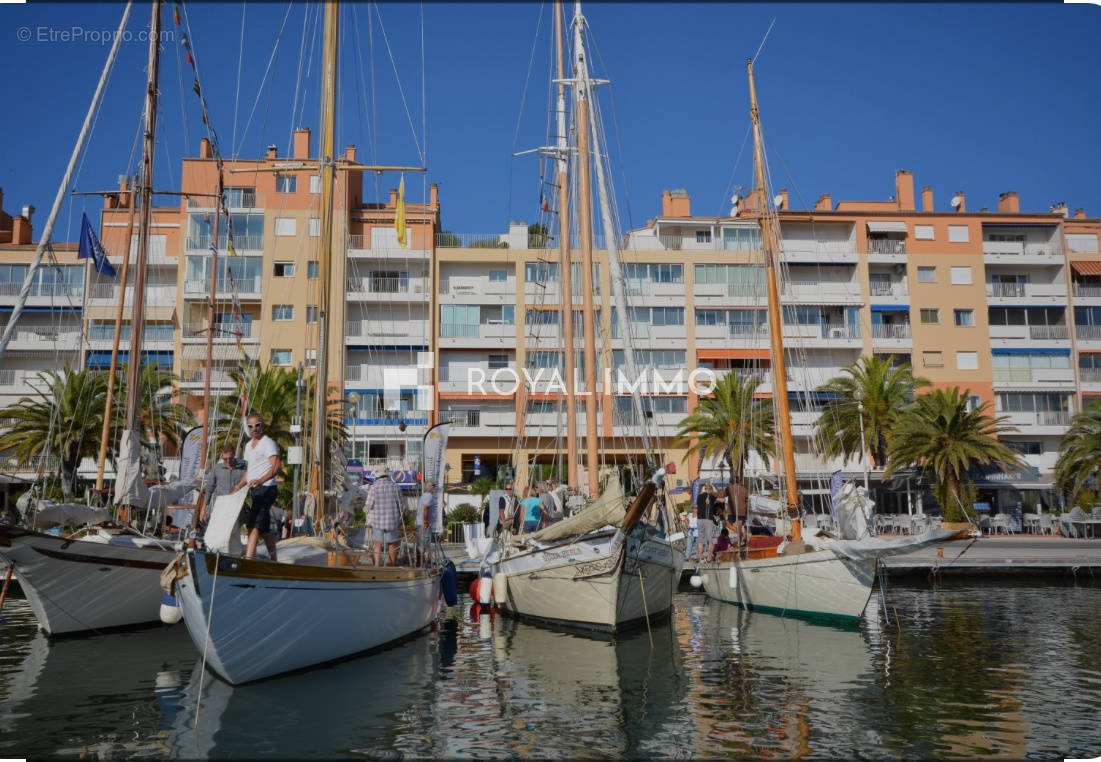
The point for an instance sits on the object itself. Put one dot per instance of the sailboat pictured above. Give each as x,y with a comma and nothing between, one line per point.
253,618
615,563
809,576
104,579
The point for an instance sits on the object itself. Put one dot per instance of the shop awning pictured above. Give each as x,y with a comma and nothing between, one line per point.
1087,267
732,354
886,226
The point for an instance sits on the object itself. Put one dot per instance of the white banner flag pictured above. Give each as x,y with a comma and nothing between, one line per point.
435,458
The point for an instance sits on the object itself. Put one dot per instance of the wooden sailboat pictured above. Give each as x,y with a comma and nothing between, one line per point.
103,579
800,576
615,563
254,618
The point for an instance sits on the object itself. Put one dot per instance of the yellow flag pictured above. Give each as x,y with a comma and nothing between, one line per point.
399,215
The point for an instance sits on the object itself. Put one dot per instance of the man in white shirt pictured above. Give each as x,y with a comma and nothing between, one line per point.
262,457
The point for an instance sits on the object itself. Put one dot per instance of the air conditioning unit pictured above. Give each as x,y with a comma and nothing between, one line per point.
837,333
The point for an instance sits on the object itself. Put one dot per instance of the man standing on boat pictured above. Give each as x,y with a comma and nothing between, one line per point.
383,506
705,524
223,478
263,463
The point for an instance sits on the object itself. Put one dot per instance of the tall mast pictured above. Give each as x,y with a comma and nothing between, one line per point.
585,230
145,220
115,343
328,106
779,366
564,256
210,325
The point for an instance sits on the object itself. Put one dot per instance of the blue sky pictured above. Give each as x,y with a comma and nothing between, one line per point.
980,98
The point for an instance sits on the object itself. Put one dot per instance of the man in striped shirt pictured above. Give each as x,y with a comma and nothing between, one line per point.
383,508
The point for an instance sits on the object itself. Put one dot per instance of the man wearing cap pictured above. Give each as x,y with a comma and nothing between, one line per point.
383,506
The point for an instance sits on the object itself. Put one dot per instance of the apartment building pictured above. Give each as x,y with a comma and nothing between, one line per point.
1003,303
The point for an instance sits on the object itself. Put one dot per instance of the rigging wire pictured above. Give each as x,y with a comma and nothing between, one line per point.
240,58
401,90
236,148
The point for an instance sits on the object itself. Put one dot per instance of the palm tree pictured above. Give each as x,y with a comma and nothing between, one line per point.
939,434
272,394
1080,452
730,424
63,417
873,390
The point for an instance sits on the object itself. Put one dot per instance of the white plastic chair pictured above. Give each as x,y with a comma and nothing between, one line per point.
1047,523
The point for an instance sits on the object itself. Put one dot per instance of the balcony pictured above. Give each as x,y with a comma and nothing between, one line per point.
493,241
1090,379
891,331
475,289
1085,332
821,292
1052,422
724,294
384,289
1006,335
382,243
821,252
1048,332
1021,253
826,335
222,331
1050,293
1085,291
886,251
1027,376
240,243
414,331
490,335
156,294
51,291
195,379
45,339
242,288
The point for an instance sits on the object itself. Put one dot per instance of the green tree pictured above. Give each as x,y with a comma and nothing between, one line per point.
883,389
730,423
272,394
939,434
64,416
481,487
1080,453
447,239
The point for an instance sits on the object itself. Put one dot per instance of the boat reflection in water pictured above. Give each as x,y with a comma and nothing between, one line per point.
535,691
776,687
364,705
78,696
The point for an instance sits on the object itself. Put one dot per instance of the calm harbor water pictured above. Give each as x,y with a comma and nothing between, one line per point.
992,668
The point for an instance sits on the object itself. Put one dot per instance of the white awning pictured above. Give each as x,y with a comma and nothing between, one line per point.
881,226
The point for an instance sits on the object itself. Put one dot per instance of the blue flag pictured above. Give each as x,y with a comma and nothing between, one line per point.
91,247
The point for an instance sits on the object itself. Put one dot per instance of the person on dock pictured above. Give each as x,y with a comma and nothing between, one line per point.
533,512
263,463
551,512
426,521
383,506
223,478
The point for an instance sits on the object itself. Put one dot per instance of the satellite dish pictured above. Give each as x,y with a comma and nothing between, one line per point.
777,200
734,199
733,211
956,201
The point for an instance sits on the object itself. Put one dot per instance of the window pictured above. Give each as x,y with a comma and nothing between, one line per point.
930,316
1026,447
1081,243
703,236
923,232
311,358
927,275
286,183
541,317
967,360
280,357
311,313
315,227
284,270
389,282
974,402
459,321
932,359
667,316
241,198
496,314
710,317
742,239
965,318
540,271
497,362
498,276
315,183
961,276
311,269
958,234
282,312
543,359
286,226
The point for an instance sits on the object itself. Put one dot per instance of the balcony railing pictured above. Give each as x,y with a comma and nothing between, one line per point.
74,290
198,376
747,330
223,286
240,242
1087,291
1012,374
1048,332
1088,332
1005,289
379,285
34,463
470,418
886,246
221,330
1090,375
880,288
1053,418
8,376
892,331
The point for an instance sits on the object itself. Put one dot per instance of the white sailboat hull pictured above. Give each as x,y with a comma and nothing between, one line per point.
819,583
253,618
82,585
594,581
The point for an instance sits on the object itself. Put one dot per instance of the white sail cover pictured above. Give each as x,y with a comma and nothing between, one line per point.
223,533
130,487
878,547
854,511
45,514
